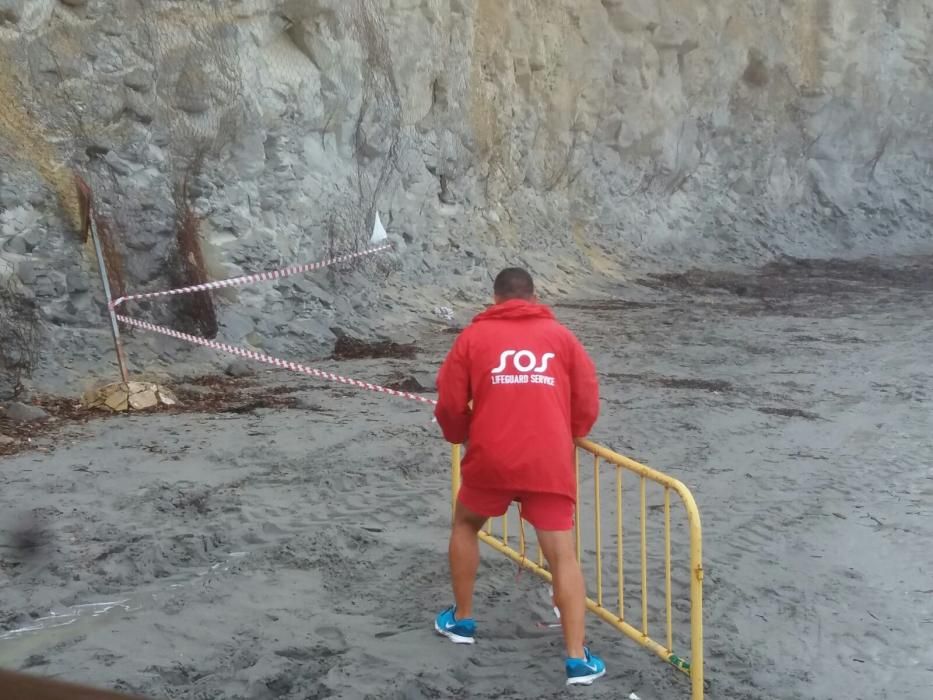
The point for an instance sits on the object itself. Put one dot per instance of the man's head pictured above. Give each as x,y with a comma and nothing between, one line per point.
513,283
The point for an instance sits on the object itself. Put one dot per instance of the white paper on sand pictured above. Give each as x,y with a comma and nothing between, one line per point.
379,231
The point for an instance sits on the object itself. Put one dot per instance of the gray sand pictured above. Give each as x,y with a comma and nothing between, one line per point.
301,553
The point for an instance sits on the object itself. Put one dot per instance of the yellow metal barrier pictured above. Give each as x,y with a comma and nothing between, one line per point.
616,618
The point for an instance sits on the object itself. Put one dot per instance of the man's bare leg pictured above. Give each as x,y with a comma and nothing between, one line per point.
464,557
560,551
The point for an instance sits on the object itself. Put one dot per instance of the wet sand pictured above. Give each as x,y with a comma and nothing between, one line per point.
299,552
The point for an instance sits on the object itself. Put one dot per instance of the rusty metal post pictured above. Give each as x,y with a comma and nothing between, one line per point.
104,277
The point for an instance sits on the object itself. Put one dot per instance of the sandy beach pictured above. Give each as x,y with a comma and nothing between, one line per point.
300,551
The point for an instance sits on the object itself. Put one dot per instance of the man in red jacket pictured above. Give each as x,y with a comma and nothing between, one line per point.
533,390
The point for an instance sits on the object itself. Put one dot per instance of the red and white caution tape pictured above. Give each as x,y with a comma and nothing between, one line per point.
251,279
379,235
274,361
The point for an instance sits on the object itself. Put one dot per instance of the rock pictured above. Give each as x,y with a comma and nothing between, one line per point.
117,400
24,413
32,237
11,11
192,91
77,281
138,79
240,369
90,396
140,107
167,397
141,400
137,396
75,3
425,380
119,165
50,285
17,245
410,384
5,440
236,325
309,287
7,388
75,310
26,271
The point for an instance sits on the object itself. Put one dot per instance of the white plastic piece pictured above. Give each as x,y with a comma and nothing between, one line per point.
444,312
632,696
556,609
379,231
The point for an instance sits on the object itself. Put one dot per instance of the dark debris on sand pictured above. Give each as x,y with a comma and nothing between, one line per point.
202,394
347,348
788,277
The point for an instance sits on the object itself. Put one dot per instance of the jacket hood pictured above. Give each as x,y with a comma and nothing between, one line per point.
514,310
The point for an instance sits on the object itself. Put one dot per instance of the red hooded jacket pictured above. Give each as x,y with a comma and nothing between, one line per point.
534,390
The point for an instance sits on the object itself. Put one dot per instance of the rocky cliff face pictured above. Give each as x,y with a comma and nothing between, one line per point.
571,136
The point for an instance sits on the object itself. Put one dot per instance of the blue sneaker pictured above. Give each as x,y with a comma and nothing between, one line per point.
586,670
457,631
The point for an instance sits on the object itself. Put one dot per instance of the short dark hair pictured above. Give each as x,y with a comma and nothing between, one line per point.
514,283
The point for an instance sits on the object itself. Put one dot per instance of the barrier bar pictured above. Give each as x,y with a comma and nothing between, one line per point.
521,536
667,566
619,545
576,462
644,557
599,534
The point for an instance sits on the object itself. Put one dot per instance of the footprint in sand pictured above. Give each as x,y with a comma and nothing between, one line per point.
296,654
333,636
271,528
253,538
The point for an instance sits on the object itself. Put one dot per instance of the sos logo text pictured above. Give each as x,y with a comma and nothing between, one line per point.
525,368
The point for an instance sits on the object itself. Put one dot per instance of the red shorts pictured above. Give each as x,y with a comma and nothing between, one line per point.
545,511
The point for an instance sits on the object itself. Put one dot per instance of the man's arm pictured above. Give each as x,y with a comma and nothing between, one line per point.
453,389
584,392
